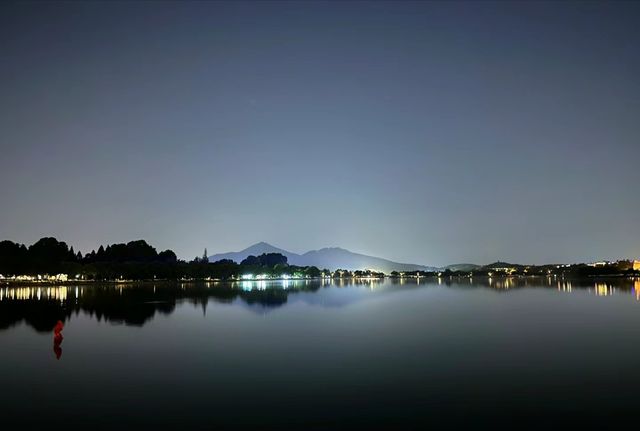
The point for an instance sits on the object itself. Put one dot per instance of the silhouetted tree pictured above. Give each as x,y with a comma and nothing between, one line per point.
250,261
167,256
13,258
272,259
312,271
46,255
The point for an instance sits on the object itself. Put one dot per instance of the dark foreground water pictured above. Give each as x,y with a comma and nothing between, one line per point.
321,355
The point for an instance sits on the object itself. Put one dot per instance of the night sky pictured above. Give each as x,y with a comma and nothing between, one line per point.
431,133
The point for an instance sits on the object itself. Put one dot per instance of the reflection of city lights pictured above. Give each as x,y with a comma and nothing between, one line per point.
564,286
507,283
72,293
33,293
602,289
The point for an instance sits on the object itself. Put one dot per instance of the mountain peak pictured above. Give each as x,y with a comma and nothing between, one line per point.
263,247
329,257
255,250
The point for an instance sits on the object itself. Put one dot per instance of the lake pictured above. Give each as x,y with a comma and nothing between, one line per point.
392,354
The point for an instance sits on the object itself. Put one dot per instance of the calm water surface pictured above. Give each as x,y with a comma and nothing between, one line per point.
321,355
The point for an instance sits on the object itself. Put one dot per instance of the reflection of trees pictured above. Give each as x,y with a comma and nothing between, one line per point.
131,305
134,305
268,297
40,315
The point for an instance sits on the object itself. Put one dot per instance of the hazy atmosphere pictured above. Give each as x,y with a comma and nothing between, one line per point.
431,133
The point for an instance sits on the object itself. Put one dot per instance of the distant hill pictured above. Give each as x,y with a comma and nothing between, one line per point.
335,257
254,250
330,258
462,267
499,264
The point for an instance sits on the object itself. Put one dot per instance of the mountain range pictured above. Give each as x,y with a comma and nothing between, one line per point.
331,258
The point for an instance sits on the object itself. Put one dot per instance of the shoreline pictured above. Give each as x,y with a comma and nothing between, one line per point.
9,282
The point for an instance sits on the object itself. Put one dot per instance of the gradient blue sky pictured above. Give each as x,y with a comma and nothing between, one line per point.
431,133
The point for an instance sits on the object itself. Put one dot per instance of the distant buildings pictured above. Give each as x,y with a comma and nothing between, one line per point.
623,265
36,278
506,269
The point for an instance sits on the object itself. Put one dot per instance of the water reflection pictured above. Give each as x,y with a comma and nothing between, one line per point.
57,339
134,305
604,289
565,286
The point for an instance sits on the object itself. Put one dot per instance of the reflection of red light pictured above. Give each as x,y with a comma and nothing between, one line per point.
58,351
57,339
58,328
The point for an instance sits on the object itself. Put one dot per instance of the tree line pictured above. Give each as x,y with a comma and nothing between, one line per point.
135,260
